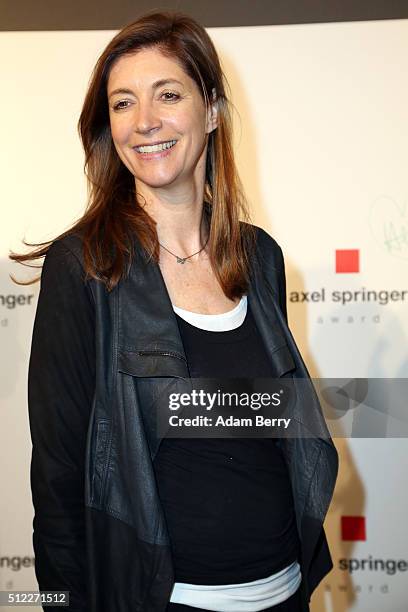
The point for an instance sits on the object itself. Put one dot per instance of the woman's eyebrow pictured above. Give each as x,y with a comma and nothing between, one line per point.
155,85
121,90
162,82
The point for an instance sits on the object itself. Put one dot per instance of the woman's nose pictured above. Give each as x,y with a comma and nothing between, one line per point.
146,119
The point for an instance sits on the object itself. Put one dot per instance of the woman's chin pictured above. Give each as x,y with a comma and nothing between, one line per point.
164,182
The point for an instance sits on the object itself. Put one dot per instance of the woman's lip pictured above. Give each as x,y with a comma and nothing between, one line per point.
155,154
152,144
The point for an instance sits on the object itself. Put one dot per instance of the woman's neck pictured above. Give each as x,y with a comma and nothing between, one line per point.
181,226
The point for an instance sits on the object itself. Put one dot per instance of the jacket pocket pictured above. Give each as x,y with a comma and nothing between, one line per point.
149,363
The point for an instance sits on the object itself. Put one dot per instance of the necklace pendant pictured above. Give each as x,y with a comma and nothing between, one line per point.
181,260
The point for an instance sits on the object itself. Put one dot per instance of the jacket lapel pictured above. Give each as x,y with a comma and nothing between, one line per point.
261,300
149,340
150,348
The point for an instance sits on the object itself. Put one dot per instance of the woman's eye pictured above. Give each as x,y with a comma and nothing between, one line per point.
121,104
170,96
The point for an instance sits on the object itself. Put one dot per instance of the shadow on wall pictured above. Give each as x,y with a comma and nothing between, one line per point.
245,146
349,495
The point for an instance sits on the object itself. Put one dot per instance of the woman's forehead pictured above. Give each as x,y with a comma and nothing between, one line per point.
147,66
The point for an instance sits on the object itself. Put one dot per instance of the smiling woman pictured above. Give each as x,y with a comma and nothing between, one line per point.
163,279
158,81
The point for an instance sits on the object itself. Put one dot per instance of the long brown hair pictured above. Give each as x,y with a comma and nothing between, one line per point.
114,216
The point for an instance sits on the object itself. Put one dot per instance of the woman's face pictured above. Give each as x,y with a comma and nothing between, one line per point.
158,120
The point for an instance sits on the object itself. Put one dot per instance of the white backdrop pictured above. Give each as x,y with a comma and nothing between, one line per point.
321,141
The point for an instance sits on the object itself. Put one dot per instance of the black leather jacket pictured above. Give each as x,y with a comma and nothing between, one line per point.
99,527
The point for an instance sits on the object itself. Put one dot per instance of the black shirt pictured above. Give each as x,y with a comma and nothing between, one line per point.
228,502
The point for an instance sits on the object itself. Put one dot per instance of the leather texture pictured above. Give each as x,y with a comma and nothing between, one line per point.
99,527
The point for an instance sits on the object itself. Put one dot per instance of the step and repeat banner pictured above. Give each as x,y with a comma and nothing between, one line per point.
321,133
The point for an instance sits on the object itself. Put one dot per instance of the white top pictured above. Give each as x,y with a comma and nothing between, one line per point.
245,596
216,322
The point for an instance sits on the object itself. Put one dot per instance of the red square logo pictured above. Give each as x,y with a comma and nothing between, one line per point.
353,528
347,261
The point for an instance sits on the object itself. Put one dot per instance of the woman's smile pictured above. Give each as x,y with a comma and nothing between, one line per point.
156,150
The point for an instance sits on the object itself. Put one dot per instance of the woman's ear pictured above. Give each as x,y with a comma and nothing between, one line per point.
212,112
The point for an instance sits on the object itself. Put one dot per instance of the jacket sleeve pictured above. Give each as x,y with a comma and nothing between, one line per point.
61,382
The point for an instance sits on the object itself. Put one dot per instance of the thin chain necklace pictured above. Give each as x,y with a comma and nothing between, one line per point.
182,260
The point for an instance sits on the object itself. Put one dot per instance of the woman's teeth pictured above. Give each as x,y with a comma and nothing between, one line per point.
155,148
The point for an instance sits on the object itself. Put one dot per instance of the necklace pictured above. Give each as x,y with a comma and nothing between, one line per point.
182,260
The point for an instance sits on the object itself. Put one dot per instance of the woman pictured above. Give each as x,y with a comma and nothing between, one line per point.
160,279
